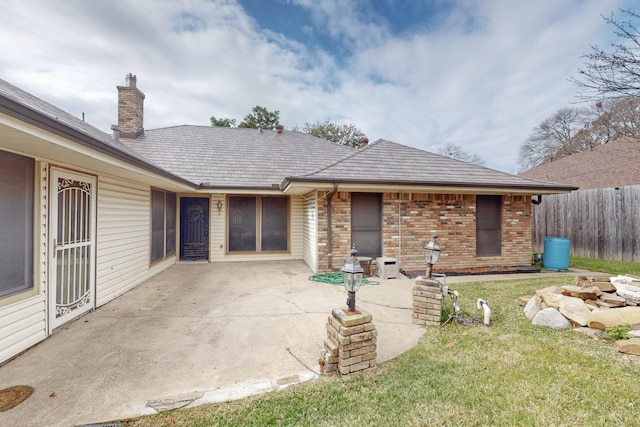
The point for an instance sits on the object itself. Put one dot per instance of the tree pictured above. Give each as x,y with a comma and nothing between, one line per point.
553,138
454,151
260,116
613,74
347,135
227,123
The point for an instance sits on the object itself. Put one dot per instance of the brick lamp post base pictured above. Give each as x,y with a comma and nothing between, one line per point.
350,346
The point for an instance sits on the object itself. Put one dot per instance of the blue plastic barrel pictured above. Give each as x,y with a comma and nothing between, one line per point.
556,253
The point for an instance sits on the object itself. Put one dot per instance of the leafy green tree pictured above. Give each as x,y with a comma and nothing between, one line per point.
227,123
260,116
347,135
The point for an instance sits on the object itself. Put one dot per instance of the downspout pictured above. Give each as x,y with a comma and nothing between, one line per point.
538,200
400,229
329,231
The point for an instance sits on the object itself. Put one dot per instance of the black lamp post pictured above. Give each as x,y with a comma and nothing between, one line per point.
431,254
352,277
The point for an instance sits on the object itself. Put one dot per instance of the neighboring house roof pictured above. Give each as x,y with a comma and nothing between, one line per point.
614,164
221,157
386,162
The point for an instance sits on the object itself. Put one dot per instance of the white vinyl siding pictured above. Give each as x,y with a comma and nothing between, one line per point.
23,325
217,237
310,231
123,238
23,319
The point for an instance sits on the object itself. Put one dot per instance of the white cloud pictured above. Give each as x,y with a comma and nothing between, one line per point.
482,78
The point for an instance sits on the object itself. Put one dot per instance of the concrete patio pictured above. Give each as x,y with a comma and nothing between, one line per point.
193,334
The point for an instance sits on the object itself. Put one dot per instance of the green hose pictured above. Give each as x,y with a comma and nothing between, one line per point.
336,279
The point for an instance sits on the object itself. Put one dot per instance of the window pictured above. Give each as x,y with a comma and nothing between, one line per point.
488,225
16,223
258,224
163,225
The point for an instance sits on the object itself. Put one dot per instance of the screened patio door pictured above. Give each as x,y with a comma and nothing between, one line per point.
72,246
366,223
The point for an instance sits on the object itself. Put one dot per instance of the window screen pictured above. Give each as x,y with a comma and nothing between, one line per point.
163,225
275,226
258,224
16,223
488,225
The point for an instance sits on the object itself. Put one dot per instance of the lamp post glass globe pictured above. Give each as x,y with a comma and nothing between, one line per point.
352,278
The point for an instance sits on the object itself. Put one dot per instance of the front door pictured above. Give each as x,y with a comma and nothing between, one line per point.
72,254
366,223
194,229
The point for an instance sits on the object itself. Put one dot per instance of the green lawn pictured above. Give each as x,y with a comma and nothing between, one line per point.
613,267
510,373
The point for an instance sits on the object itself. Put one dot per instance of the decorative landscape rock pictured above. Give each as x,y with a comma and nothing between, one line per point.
549,290
533,307
604,284
552,318
613,300
603,318
575,310
580,292
630,346
592,305
628,288
551,300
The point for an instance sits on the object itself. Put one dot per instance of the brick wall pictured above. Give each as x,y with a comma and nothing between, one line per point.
409,220
130,111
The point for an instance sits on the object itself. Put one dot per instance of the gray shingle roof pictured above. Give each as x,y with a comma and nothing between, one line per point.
43,108
614,164
235,157
25,106
218,157
388,162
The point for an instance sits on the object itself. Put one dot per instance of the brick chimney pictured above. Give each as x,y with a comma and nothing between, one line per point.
130,109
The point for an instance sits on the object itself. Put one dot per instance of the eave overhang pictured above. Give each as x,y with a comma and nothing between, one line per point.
65,139
297,186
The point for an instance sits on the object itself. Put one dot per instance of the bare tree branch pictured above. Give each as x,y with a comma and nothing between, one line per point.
613,74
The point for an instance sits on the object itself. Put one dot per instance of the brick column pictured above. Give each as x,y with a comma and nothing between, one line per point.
427,302
350,346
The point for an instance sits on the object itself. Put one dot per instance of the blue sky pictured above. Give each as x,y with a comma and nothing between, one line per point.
479,74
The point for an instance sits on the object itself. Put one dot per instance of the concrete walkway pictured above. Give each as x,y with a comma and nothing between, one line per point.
199,333
193,334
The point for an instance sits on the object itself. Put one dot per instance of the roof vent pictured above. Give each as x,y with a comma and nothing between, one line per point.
260,129
279,128
363,142
116,133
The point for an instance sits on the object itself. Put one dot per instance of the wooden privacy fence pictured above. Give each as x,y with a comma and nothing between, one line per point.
600,223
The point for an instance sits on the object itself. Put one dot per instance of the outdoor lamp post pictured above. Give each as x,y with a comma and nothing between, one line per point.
431,254
352,277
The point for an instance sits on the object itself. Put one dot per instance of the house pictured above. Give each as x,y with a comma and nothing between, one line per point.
86,215
614,164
